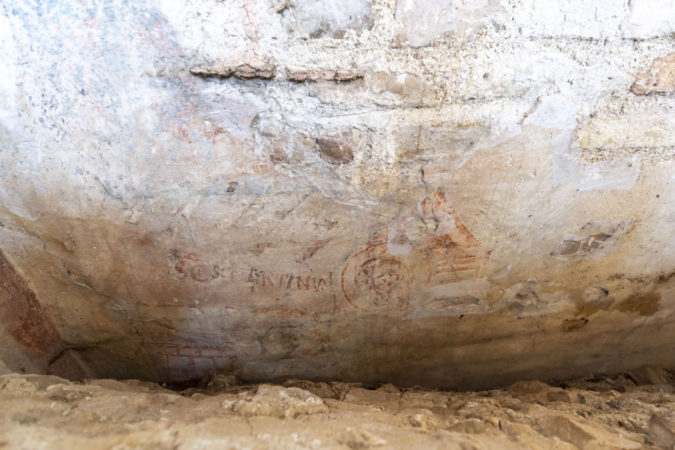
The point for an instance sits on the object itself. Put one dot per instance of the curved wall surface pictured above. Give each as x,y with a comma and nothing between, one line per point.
442,193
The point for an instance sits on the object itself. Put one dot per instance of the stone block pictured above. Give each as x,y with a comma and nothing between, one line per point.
659,78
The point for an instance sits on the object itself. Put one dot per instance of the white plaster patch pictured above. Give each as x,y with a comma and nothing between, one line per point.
595,239
650,18
599,19
626,131
524,299
423,23
615,174
212,29
558,112
462,297
555,111
315,18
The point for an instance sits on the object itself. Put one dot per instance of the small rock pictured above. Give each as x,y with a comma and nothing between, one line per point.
277,401
528,387
651,375
368,396
65,395
357,438
661,430
324,390
473,426
347,75
389,388
220,382
558,395
17,384
427,400
582,434
423,419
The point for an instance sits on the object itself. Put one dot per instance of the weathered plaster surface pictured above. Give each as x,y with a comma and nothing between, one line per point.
444,193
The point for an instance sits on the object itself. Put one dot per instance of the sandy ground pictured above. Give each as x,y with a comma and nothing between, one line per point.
633,410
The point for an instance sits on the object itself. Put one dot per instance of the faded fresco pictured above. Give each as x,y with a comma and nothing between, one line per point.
376,192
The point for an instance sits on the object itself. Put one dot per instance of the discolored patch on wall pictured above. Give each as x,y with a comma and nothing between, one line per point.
449,303
198,130
335,150
594,299
593,240
404,89
444,143
574,324
644,304
280,341
659,78
72,365
312,249
24,319
289,341
181,360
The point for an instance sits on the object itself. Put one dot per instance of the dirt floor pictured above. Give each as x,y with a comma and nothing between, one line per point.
633,410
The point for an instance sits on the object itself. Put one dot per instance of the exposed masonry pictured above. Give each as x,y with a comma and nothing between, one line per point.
658,78
247,69
266,70
299,73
